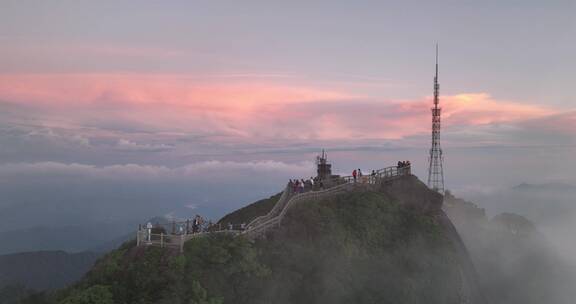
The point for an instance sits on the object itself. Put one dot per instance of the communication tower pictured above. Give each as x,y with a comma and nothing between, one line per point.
435,170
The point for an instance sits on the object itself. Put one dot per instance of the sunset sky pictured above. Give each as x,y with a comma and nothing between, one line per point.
182,96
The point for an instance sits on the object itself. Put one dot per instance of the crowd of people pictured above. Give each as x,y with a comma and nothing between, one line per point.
198,224
302,185
403,164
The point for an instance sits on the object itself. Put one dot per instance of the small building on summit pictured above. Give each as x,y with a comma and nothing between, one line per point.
324,169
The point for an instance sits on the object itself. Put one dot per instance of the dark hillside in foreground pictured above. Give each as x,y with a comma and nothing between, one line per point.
362,246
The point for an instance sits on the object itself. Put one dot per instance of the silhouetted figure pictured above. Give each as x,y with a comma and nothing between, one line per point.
197,224
149,230
296,186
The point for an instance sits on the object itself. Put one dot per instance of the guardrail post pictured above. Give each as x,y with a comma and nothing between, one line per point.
138,238
161,239
181,243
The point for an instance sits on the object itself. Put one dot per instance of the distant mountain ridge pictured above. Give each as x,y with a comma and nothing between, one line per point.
64,236
44,270
546,186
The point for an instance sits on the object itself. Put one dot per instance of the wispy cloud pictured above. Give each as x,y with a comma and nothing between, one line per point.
193,115
128,145
219,170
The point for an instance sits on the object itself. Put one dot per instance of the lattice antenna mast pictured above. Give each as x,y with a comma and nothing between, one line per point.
435,170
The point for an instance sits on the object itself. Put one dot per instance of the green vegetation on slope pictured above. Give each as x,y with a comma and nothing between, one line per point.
360,247
211,269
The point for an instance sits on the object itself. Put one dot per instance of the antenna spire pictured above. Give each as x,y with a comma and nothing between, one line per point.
436,61
435,170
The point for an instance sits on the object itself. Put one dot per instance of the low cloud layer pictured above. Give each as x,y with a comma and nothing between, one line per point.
54,194
218,170
552,206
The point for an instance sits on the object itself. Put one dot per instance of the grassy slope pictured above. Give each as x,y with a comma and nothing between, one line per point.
361,247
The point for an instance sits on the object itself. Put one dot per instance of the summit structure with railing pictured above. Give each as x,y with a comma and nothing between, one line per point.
175,234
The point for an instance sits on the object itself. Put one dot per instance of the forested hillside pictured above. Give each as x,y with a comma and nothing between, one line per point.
359,247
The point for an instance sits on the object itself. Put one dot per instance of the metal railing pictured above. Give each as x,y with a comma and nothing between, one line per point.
165,240
278,207
145,237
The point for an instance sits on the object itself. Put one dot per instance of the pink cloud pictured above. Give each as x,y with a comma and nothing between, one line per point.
395,119
252,110
478,109
178,90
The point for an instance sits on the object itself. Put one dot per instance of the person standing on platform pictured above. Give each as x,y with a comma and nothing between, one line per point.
149,229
